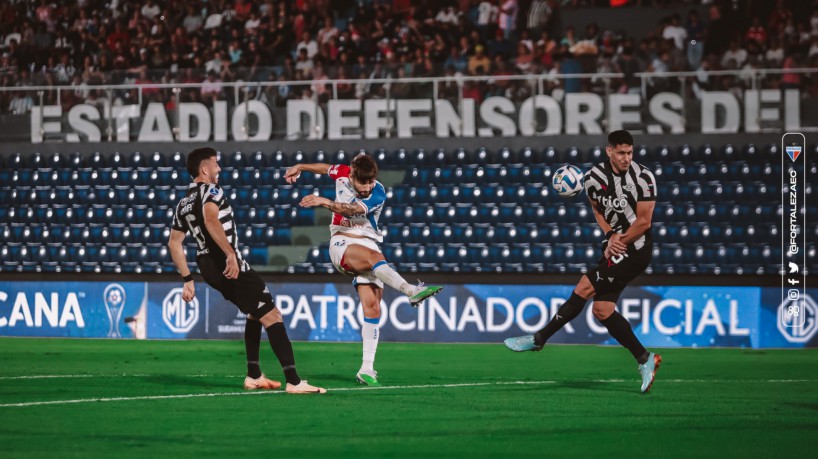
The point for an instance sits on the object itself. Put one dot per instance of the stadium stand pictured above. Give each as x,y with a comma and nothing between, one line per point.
479,211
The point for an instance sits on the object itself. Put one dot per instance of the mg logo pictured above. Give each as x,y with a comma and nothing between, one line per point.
178,315
794,328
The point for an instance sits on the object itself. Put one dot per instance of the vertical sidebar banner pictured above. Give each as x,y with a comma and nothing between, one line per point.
794,231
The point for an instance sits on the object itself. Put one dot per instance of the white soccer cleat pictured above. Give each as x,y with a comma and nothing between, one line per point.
304,388
262,382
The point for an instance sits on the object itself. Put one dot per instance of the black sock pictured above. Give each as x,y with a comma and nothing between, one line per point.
621,330
252,340
565,314
283,349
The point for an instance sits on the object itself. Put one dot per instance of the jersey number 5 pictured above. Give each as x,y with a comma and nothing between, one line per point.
195,230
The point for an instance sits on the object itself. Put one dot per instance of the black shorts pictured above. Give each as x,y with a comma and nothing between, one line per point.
610,276
248,291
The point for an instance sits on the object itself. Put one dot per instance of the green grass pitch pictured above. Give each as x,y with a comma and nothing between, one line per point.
439,400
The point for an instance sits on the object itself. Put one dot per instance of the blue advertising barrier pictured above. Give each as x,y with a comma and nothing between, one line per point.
752,317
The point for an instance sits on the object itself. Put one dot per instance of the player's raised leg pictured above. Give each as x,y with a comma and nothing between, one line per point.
371,296
566,313
359,259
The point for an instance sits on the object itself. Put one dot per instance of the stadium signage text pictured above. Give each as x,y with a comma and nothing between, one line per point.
576,113
793,245
53,314
497,314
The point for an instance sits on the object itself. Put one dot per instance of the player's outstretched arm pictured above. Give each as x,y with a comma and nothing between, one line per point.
347,209
294,172
177,253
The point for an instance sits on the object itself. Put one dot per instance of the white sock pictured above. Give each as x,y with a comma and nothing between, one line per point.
390,277
369,333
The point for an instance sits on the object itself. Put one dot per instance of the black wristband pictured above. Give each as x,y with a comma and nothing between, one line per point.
188,278
609,234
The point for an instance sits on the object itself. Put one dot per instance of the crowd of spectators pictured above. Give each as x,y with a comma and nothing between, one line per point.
80,44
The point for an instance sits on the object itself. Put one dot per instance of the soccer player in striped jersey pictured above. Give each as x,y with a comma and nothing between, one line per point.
205,213
623,196
353,245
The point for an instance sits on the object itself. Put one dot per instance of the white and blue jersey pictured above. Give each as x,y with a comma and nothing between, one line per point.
360,225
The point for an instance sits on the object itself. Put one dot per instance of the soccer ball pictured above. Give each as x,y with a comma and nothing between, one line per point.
568,180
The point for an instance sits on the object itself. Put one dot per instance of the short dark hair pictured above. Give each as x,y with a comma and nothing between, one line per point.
195,158
619,138
364,168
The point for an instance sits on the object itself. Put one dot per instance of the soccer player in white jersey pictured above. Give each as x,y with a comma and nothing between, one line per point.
353,245
623,196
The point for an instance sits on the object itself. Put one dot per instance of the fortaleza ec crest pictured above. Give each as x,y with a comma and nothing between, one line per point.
793,152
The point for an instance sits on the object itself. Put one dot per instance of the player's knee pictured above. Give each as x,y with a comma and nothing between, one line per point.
270,318
602,311
584,288
372,309
375,258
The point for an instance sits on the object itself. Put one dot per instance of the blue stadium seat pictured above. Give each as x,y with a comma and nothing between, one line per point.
95,160
35,160
177,160
505,155
56,160
157,159
277,159
15,161
570,155
167,176
343,157
116,160
22,177
382,157
135,160
460,157
481,156
442,194
595,155
548,155
39,254
235,160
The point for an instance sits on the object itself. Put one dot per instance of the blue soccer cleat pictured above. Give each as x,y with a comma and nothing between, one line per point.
648,371
522,343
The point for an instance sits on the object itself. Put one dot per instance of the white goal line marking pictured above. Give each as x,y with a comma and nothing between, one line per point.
348,389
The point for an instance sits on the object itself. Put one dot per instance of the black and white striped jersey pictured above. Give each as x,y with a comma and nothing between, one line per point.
189,218
615,195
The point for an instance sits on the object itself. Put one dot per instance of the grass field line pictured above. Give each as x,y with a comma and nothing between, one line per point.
98,376
409,387
138,375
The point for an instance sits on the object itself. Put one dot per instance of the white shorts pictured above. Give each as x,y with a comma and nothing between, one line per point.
338,245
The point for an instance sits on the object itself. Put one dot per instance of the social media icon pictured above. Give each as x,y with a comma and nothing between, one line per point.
793,268
793,281
793,294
